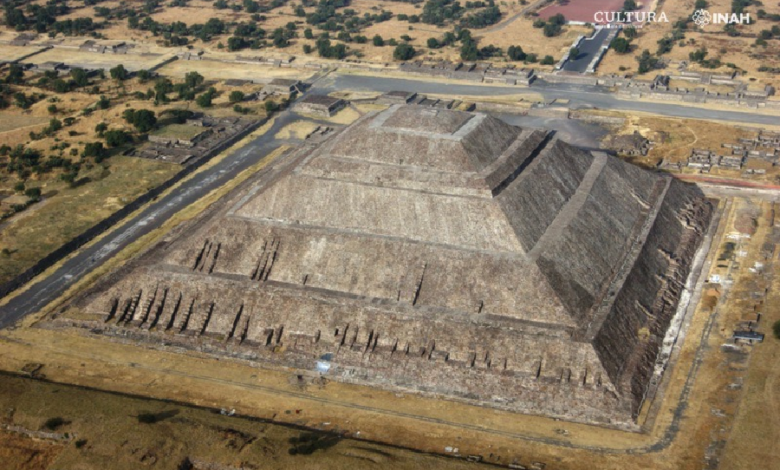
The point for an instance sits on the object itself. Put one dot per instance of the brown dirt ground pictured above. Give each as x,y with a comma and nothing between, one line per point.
737,50
19,452
116,440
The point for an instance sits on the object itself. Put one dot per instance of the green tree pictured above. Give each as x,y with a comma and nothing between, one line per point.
103,102
94,150
79,77
403,52
116,138
433,43
204,100
101,128
551,29
378,41
193,79
698,55
236,96
547,60
144,120
33,193
54,125
144,75
515,53
646,62
621,45
468,51
15,75
119,73
270,106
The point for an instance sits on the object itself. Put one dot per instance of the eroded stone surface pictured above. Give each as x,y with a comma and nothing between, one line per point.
437,251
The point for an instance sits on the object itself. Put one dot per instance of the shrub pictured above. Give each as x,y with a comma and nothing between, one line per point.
53,423
147,418
403,52
776,329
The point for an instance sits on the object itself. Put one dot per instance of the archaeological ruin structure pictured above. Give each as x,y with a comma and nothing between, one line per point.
432,251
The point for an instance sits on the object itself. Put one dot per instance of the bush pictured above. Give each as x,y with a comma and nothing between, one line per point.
80,443
144,120
270,106
776,329
236,96
621,45
147,418
515,53
33,193
551,29
116,138
403,52
548,60
119,73
53,423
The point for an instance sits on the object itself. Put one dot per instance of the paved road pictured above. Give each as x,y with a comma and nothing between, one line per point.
579,96
200,184
50,288
588,47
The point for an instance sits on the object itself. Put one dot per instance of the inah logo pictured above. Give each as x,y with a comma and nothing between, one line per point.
703,17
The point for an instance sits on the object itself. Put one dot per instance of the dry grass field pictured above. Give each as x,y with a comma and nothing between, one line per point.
10,121
740,51
109,434
105,187
215,70
66,212
91,60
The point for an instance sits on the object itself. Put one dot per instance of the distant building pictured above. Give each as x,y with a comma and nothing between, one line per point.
51,66
320,104
397,97
748,336
283,86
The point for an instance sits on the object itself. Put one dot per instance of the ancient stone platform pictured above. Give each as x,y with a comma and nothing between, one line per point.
435,251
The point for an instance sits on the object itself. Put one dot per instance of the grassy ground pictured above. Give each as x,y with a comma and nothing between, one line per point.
29,237
12,121
220,70
739,51
756,431
110,435
179,131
